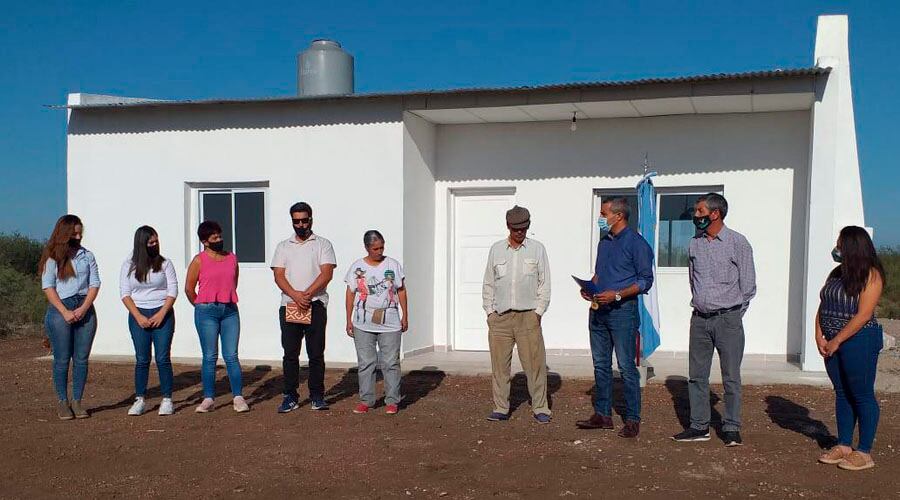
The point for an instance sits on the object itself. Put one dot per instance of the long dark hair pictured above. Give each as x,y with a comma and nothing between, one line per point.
141,262
858,259
57,246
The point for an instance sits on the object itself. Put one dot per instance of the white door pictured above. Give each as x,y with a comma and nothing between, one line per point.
479,220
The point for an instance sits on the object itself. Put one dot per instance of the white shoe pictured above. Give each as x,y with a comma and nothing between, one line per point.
166,407
240,405
137,409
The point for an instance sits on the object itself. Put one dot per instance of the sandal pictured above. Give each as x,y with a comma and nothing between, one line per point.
834,456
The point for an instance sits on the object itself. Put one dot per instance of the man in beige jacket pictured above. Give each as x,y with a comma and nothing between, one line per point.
516,293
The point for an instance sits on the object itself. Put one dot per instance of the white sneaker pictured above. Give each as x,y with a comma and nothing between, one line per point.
166,407
240,405
137,409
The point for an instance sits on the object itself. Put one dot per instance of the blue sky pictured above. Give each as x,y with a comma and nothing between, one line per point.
230,49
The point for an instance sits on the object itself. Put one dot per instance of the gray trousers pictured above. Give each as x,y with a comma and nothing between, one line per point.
725,335
367,356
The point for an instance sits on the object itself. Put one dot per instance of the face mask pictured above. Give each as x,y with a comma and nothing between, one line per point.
836,255
603,224
702,223
217,247
74,242
302,232
153,252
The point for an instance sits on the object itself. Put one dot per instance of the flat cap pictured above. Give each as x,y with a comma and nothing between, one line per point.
518,217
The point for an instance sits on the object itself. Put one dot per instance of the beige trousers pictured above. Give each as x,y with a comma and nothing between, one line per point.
522,330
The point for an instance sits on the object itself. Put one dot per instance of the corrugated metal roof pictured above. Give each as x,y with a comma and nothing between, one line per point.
713,77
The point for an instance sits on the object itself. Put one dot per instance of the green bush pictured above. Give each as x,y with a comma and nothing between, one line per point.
22,303
20,253
889,307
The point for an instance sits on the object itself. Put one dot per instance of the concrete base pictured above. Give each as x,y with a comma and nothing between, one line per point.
754,371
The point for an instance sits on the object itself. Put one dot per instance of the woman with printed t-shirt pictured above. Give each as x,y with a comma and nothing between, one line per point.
148,288
71,281
216,313
375,296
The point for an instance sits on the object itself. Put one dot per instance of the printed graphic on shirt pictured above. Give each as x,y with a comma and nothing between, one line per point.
376,306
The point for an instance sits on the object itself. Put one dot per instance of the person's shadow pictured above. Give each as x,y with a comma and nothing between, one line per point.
794,417
180,381
346,387
678,389
518,390
418,384
223,386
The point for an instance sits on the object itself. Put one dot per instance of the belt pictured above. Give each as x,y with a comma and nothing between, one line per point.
717,312
515,311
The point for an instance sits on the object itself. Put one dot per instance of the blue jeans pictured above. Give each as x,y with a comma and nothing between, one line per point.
160,338
616,327
214,321
70,342
852,372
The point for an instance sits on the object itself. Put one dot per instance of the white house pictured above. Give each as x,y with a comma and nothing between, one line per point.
435,171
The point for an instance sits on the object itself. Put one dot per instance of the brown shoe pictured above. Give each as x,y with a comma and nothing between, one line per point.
631,430
857,461
78,410
64,411
596,421
834,456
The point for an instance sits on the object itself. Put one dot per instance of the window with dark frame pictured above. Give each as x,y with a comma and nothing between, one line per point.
241,213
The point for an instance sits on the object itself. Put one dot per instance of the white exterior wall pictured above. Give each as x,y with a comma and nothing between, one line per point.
760,159
127,168
834,186
419,140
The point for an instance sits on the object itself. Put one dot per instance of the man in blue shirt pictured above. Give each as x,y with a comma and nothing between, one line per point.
624,270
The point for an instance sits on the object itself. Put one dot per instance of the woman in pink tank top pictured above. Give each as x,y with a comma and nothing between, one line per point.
216,313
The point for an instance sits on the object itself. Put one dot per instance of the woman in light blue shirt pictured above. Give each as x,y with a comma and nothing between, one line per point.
70,280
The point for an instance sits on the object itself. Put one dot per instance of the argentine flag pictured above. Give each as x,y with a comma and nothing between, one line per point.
648,303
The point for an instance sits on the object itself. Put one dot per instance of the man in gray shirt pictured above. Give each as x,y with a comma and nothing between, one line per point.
515,294
723,281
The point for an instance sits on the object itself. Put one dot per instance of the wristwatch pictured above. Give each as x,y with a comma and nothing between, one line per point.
618,297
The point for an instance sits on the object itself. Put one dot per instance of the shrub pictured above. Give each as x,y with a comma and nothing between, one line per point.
889,307
20,253
22,303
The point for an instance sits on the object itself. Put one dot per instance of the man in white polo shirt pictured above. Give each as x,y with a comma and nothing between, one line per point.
303,265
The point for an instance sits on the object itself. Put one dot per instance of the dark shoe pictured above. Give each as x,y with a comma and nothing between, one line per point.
78,410
63,411
288,404
596,421
542,418
319,404
631,430
690,435
496,416
732,438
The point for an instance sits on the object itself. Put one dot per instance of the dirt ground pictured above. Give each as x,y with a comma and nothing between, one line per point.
439,446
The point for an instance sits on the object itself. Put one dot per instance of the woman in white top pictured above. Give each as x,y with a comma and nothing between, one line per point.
148,287
376,318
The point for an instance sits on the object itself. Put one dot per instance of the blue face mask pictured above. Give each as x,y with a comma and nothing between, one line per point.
603,224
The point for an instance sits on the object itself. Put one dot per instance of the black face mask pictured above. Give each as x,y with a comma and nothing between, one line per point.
302,232
217,247
74,242
702,223
153,252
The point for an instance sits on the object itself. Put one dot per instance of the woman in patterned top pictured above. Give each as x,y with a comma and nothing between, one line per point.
849,338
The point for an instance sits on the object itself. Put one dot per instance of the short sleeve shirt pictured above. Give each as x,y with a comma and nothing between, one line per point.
301,261
376,306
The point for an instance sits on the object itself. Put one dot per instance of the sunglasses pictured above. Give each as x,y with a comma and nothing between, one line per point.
304,221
